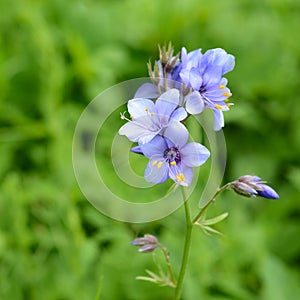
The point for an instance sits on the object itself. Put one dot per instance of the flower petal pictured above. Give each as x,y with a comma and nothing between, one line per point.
195,79
181,174
218,119
167,103
185,76
147,90
177,133
137,133
219,57
212,75
136,149
156,170
156,146
179,114
139,107
194,103
192,59
194,154
267,192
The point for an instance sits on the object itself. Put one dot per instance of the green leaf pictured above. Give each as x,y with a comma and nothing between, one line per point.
215,220
209,229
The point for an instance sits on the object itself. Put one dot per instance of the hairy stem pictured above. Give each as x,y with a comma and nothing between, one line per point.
187,245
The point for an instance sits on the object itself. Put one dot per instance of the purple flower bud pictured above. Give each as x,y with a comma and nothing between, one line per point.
252,186
148,242
136,149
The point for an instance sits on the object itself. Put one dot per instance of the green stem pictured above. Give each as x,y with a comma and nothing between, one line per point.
187,245
203,209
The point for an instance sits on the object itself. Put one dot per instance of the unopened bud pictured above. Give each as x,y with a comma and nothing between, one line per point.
252,186
148,242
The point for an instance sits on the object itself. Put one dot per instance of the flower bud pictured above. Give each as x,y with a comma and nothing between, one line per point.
252,186
148,242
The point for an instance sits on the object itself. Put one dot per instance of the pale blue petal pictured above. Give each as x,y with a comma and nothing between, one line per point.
136,133
167,103
147,90
155,147
136,149
220,57
194,154
193,58
171,96
185,76
229,64
194,103
177,133
179,114
212,75
147,137
224,81
218,119
195,79
267,192
188,174
156,171
215,94
140,107
181,174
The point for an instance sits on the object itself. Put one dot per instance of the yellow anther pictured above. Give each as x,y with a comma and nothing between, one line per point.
159,165
218,106
226,100
173,163
146,109
152,114
228,105
154,163
226,94
131,117
180,177
222,87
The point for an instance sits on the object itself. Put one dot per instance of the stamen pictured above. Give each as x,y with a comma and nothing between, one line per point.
131,117
222,87
123,117
180,177
159,165
152,114
154,163
218,106
226,100
226,94
228,105
146,109
173,163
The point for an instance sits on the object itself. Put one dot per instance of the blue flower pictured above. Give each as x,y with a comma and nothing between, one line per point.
203,73
149,119
171,156
252,186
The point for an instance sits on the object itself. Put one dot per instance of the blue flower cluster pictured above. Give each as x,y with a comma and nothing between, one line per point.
183,85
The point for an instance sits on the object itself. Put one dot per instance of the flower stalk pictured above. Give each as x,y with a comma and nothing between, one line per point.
187,244
212,200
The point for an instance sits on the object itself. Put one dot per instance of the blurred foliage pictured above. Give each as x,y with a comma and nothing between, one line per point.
55,56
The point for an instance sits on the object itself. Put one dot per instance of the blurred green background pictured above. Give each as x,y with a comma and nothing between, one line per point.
55,57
